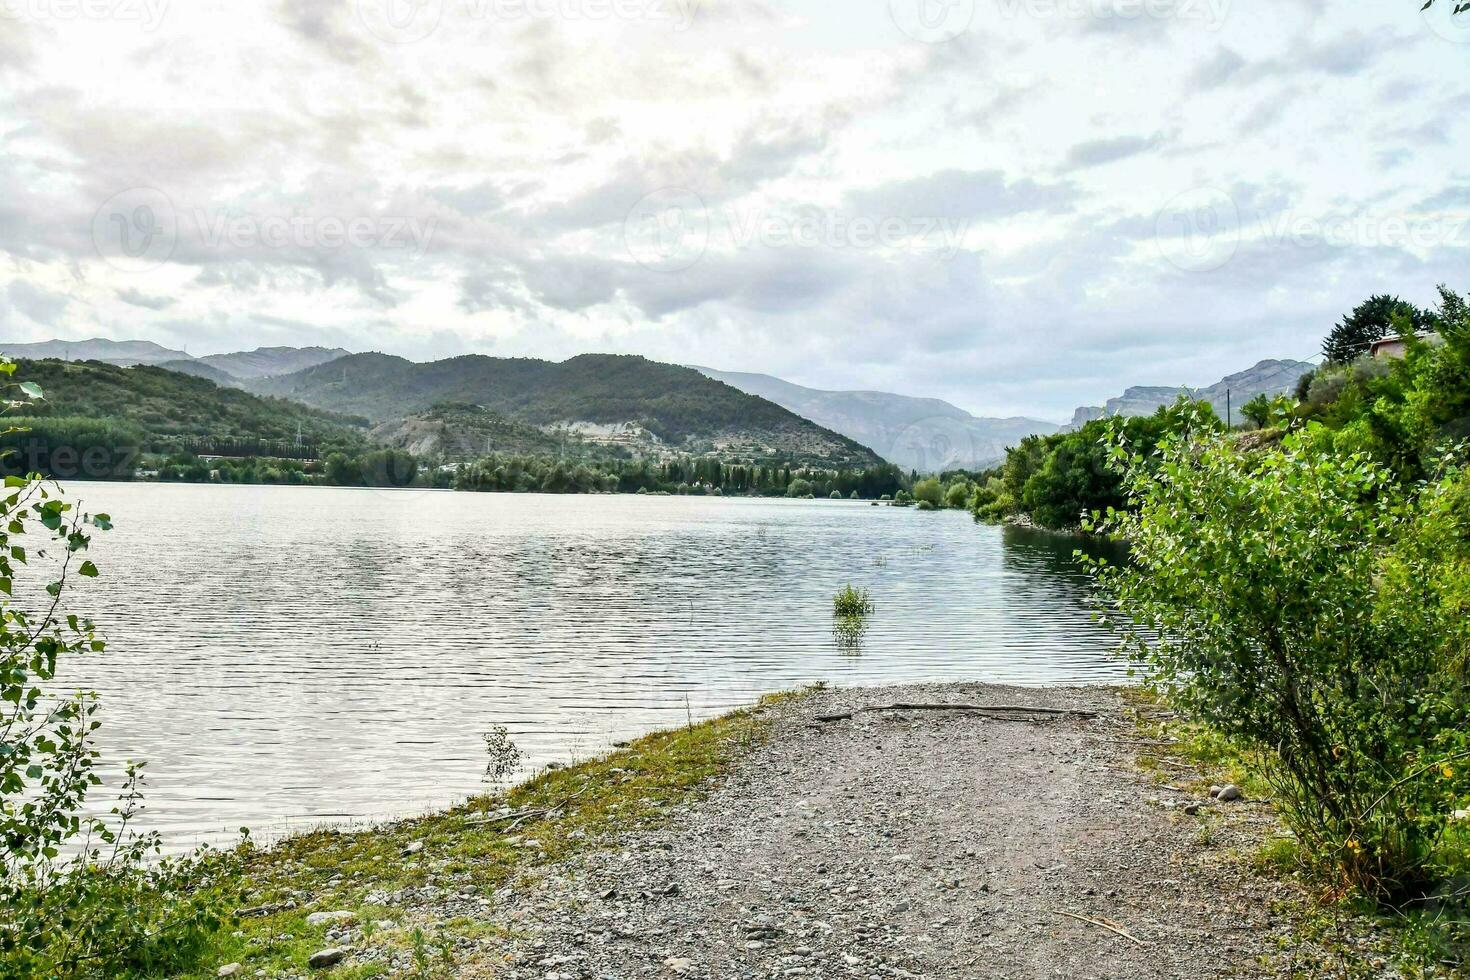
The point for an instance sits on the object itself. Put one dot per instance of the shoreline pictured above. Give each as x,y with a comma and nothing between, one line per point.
766,841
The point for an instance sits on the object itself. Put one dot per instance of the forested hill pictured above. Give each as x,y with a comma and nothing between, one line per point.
163,408
603,396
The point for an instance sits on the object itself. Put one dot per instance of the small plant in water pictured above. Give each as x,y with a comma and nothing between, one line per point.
504,757
852,601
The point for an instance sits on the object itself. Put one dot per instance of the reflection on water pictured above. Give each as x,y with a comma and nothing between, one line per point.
284,656
848,633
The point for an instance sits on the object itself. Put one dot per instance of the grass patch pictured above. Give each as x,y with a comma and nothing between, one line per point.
462,851
1345,935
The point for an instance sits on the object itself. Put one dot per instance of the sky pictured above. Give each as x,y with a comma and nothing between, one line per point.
1019,206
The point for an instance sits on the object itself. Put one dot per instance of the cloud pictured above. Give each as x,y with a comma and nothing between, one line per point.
41,305
964,194
134,297
1096,153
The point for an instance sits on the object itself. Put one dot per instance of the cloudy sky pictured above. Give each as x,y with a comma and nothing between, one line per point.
1016,205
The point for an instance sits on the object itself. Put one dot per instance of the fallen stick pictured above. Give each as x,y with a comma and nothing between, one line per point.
983,708
517,817
1102,924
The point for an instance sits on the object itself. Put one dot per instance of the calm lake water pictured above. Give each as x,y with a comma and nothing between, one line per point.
287,656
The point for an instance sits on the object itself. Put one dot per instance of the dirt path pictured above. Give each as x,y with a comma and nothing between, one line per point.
916,843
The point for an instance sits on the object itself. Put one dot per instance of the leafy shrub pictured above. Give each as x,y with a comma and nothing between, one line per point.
1306,606
929,492
78,895
852,601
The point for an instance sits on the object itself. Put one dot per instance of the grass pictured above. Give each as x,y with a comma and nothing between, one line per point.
1351,937
852,601
329,870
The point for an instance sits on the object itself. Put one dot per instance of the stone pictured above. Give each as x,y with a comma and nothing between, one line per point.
1215,791
1192,809
1229,792
230,970
324,958
328,918
679,964
413,848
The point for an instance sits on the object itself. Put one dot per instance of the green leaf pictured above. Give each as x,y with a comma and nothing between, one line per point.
32,389
88,569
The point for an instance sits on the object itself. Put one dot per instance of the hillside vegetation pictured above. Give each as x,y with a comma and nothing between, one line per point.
163,410
679,407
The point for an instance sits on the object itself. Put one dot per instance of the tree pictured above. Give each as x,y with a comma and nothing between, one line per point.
1461,6
99,910
1373,319
1306,606
929,491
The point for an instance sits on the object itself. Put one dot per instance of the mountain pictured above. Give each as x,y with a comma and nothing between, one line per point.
122,352
265,362
463,432
604,398
923,434
199,369
167,409
1269,377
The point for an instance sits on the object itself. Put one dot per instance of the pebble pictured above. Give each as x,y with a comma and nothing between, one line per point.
230,970
1229,792
413,848
327,918
679,964
324,958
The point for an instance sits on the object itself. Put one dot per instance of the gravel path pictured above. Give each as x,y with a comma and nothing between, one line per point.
916,843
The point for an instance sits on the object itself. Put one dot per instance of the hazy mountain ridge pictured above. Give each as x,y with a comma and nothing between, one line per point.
258,363
120,352
265,362
1269,377
925,434
620,399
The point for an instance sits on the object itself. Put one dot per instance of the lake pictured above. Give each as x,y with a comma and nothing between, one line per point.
288,656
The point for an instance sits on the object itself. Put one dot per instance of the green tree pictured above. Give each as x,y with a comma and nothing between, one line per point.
929,491
77,895
1306,606
1371,320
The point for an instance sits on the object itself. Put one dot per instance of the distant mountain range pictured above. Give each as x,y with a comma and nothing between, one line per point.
263,362
470,405
612,399
1269,378
923,434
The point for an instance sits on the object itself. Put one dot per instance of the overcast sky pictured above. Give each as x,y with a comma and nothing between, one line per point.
1017,205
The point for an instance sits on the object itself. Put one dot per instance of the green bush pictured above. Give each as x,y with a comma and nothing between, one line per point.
78,894
852,601
929,492
1305,605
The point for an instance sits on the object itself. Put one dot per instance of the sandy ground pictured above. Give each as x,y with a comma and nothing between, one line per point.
921,843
